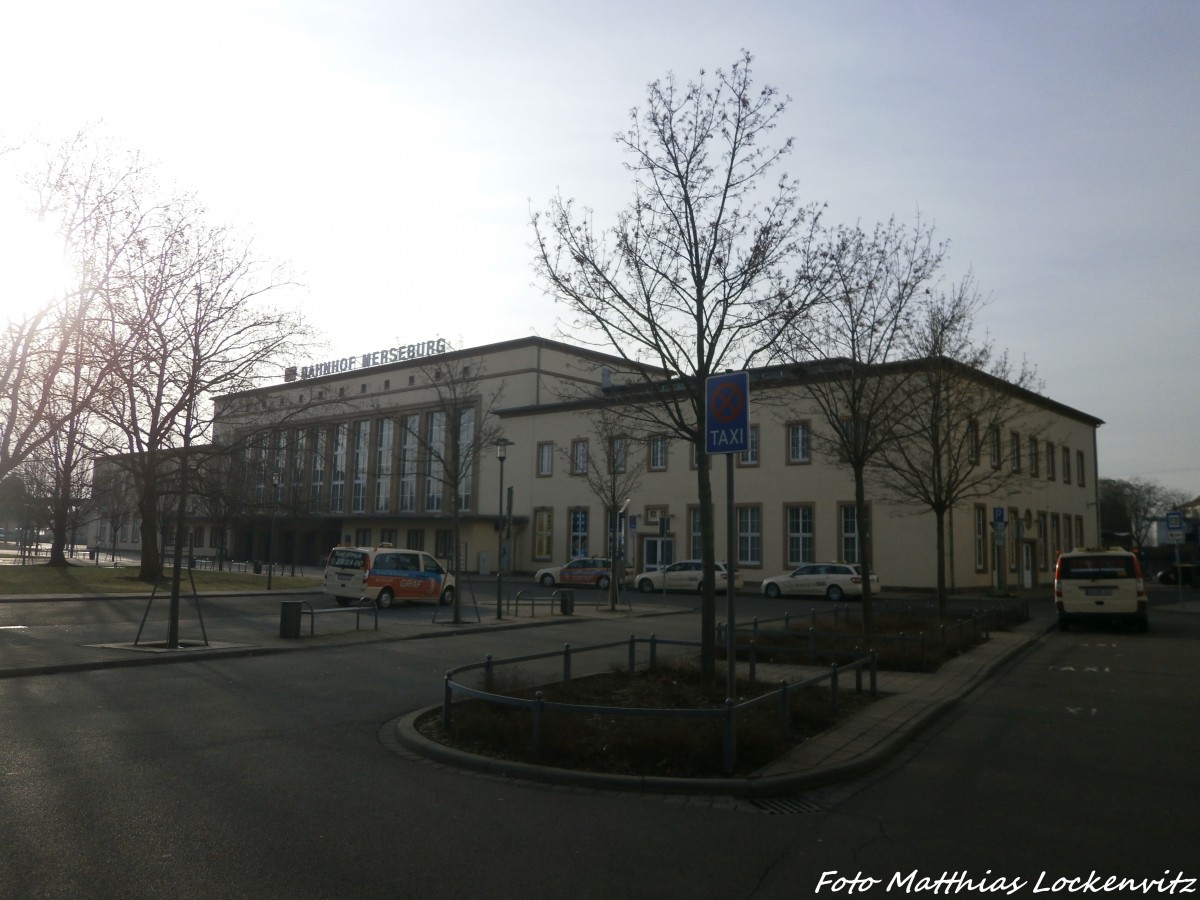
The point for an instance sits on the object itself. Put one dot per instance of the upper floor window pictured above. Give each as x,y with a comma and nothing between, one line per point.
1050,461
658,453
1014,451
579,457
545,459
750,456
1079,468
799,448
1034,461
1066,465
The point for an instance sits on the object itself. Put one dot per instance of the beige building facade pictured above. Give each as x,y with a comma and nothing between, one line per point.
348,456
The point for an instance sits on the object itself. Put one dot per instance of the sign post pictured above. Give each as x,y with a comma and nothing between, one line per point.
727,430
1175,536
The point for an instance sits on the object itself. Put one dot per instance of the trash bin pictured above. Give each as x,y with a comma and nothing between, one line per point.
289,618
566,602
258,568
91,554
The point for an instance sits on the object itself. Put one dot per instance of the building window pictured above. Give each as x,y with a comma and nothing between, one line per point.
848,533
973,443
1043,547
318,470
1010,537
1079,476
577,542
1079,531
579,457
799,521
362,537
750,456
358,486
1050,461
981,533
416,539
1014,450
616,455
465,441
385,430
1055,536
749,535
1066,465
443,543
695,534
387,536
1034,461
994,446
543,534
658,453
407,471
337,484
545,459
435,438
1068,537
799,448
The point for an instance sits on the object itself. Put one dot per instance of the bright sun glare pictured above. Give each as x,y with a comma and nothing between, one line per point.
33,270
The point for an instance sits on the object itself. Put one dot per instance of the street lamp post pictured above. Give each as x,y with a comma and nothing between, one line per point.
501,454
271,529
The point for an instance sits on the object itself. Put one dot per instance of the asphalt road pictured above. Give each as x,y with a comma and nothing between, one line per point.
275,776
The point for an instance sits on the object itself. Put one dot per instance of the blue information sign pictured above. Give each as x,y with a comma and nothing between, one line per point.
727,413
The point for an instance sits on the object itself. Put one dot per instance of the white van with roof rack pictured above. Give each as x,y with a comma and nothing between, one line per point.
1100,583
385,574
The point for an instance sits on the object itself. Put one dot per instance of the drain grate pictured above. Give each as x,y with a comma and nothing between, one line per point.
786,806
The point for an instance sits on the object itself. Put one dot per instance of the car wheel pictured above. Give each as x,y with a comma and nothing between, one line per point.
547,580
343,601
384,600
646,586
773,591
834,593
447,597
602,582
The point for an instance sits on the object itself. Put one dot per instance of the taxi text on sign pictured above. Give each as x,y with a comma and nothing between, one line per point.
727,413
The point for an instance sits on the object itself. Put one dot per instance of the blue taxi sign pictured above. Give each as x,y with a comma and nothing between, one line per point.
727,413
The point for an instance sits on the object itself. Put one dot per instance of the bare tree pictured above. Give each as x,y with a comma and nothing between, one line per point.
956,389
613,476
454,430
870,283
698,263
1131,505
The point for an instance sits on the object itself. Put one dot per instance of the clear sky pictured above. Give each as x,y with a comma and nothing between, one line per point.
390,152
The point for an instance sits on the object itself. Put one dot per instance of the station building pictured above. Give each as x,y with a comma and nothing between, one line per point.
353,452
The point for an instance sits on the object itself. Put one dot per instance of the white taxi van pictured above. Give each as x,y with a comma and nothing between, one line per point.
386,574
1094,584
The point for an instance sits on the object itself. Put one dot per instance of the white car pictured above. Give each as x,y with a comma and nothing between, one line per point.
686,575
834,580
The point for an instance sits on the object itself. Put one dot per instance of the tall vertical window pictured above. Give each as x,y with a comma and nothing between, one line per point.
384,441
1010,538
466,439
1034,458
298,462
579,457
1079,476
1043,547
799,449
1068,538
543,533
316,485
749,457
994,446
658,453
1079,538
358,483
578,540
408,464
616,455
1014,451
1051,458
435,431
973,442
279,467
980,535
1066,466
337,480
848,520
545,459
1055,535
695,535
749,535
799,521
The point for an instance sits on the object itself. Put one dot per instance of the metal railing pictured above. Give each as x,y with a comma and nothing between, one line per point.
539,706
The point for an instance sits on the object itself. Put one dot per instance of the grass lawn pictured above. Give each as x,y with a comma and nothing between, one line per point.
39,578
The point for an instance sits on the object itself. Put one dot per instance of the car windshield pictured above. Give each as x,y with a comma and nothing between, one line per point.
348,559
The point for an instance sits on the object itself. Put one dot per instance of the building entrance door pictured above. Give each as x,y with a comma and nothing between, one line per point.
658,553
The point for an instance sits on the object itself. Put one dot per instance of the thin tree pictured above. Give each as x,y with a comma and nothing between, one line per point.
696,266
956,389
613,475
869,283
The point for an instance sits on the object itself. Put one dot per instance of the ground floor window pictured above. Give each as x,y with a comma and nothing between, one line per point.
362,537
980,534
799,521
543,534
443,543
578,539
416,539
749,536
849,534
